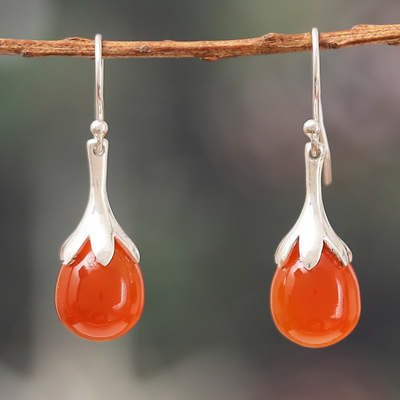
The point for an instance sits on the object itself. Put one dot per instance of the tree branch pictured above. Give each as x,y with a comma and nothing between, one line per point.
271,43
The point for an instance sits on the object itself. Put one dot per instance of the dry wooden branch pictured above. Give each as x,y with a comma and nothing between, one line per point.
270,43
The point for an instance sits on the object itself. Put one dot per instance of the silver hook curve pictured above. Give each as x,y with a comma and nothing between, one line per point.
99,127
317,106
99,71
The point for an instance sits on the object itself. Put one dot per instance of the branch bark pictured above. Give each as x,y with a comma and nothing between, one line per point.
271,43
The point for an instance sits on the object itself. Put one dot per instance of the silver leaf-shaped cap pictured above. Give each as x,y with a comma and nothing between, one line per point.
98,223
313,229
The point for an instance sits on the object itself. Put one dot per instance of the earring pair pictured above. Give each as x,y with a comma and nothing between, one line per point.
315,296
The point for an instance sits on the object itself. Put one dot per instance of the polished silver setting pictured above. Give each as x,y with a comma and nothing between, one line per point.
312,230
98,223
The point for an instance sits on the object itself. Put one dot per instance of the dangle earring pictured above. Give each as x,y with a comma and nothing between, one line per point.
315,297
100,291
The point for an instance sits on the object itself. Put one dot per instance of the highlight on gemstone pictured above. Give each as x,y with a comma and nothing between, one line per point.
100,302
317,307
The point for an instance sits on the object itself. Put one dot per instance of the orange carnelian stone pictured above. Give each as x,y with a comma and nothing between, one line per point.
100,302
315,308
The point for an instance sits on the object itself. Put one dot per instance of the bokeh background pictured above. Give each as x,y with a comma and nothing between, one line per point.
206,174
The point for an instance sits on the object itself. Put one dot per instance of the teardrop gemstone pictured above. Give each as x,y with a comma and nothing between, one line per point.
100,302
317,307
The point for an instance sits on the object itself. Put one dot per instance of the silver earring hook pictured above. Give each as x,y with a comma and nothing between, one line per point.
99,71
318,113
315,128
99,127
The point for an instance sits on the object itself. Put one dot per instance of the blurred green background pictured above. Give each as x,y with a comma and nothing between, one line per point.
206,175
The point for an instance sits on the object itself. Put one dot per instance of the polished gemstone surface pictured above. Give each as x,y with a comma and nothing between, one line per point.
100,302
315,308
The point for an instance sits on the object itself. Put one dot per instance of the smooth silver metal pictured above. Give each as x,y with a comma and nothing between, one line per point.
99,73
317,105
313,229
99,127
98,223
